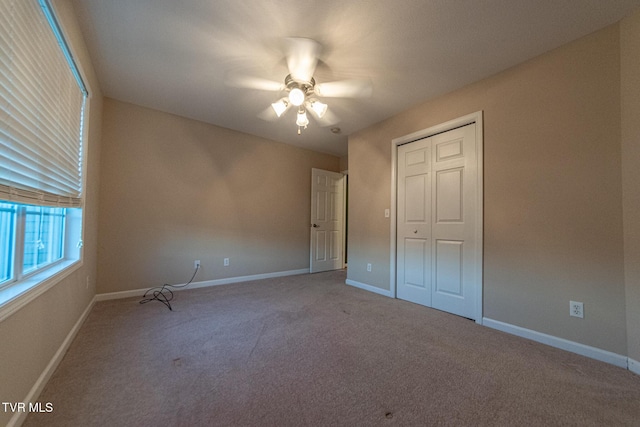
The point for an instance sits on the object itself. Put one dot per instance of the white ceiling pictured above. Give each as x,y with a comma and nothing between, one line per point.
173,55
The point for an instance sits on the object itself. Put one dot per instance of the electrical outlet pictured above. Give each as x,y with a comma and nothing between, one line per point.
226,262
369,267
196,264
576,309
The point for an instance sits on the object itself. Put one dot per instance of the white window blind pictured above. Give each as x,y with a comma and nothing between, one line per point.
42,103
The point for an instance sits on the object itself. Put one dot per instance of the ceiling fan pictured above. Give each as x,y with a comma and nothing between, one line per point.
302,92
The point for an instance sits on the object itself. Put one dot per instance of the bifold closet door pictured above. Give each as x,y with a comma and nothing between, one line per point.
437,252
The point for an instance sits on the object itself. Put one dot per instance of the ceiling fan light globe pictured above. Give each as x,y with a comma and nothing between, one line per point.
279,107
296,96
319,108
302,120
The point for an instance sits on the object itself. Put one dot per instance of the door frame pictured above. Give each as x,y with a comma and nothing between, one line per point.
476,118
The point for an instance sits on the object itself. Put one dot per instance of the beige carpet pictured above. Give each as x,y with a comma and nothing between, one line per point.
311,351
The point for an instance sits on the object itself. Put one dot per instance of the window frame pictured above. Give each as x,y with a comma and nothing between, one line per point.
19,245
16,294
8,214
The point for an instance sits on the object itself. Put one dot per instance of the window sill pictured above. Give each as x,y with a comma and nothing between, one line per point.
19,294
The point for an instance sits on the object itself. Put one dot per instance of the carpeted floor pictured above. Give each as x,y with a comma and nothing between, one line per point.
311,351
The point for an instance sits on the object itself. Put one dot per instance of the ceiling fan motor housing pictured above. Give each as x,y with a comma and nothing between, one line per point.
305,87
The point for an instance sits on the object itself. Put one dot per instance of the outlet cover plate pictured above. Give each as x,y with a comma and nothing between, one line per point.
576,309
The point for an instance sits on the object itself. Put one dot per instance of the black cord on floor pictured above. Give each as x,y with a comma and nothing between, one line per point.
163,293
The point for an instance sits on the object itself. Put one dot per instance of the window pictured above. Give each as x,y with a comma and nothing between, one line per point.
43,237
42,112
7,238
32,238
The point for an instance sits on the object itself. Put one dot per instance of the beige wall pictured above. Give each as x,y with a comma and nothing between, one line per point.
552,193
630,93
344,163
31,336
173,190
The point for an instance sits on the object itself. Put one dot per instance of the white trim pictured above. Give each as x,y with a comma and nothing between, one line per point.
121,294
634,366
19,417
205,284
344,218
393,221
370,288
561,343
476,118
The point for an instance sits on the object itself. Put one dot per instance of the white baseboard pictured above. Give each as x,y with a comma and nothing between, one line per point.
369,288
20,416
204,284
561,343
119,295
634,366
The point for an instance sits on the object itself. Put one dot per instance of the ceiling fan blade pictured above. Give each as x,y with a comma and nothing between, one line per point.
345,89
251,82
302,57
268,115
327,119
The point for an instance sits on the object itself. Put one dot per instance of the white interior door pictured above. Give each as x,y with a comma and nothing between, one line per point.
414,222
437,250
455,254
327,221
